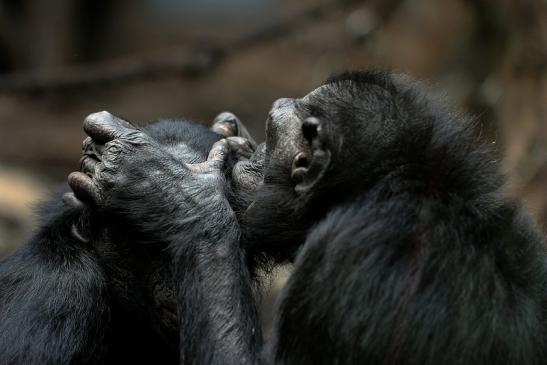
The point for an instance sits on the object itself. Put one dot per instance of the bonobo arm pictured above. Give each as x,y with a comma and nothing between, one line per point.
184,206
54,306
218,319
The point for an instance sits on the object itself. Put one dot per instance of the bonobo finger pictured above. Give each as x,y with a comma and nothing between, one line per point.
83,188
87,145
215,160
246,176
241,146
88,164
225,124
218,153
228,125
70,200
103,127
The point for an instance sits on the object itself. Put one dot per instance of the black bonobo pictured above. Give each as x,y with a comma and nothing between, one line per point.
89,287
406,249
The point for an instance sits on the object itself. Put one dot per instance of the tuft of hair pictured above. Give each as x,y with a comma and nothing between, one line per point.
382,78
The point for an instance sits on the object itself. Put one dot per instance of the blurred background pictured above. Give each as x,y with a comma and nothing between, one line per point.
147,59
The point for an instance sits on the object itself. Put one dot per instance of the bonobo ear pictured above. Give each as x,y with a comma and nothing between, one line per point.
311,162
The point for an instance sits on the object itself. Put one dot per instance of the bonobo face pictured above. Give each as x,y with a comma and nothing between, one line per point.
298,154
334,136
321,150
294,143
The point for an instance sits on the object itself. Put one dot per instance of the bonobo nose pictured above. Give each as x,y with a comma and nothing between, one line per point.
279,115
282,103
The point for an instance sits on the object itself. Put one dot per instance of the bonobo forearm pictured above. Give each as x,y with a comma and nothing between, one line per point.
218,318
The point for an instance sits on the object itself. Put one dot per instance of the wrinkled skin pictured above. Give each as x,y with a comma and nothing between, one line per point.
112,140
89,286
102,173
201,187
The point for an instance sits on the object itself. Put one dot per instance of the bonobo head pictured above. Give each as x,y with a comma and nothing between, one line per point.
354,133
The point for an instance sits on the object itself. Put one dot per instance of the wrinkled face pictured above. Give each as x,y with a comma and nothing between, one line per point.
297,156
298,140
328,139
322,150
293,130
333,135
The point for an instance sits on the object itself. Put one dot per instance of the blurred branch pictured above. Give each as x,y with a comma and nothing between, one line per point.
100,74
184,64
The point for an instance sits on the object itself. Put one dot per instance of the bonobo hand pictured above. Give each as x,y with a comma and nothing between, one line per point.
125,171
247,173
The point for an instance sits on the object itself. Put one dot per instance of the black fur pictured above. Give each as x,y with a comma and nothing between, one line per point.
109,300
406,250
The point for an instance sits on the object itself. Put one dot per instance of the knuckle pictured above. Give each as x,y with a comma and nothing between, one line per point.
96,118
112,152
223,117
114,147
87,144
136,137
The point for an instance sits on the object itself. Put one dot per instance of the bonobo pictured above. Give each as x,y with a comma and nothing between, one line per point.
406,249
88,288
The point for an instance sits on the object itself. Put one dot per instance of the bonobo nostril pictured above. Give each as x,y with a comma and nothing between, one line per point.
310,127
301,160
